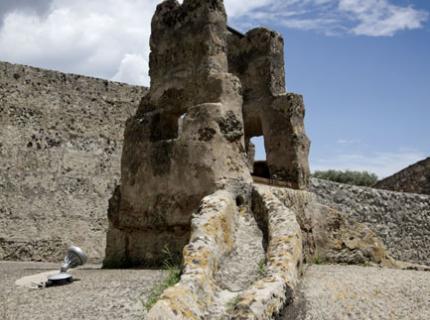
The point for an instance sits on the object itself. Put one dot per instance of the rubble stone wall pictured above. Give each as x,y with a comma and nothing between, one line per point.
401,220
60,147
414,179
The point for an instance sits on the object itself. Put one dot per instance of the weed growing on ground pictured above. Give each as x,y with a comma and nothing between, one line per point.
318,259
171,263
262,268
231,304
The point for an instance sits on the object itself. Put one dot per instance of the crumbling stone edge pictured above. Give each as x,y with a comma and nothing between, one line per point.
212,238
284,257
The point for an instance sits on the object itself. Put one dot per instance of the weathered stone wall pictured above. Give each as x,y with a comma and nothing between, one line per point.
414,179
60,147
257,59
185,140
401,220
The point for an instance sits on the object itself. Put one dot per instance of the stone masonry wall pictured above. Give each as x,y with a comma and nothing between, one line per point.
60,147
401,220
415,179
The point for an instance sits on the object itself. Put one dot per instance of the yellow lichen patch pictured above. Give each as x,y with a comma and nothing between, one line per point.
197,259
178,299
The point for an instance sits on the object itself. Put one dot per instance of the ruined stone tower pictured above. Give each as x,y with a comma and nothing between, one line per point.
212,90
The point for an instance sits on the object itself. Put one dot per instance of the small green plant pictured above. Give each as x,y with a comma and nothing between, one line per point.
171,263
173,277
231,304
262,267
318,259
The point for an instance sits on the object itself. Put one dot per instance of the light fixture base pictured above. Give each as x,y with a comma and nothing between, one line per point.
59,279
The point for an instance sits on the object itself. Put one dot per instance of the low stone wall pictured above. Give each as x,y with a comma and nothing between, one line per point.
401,220
211,239
60,147
267,296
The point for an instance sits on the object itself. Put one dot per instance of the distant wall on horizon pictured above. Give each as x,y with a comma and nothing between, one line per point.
413,179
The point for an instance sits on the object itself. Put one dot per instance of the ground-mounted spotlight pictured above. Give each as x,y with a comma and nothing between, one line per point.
75,257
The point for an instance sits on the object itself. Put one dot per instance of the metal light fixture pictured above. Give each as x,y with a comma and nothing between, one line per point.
75,257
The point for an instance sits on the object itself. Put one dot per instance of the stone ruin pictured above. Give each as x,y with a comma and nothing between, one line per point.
212,90
187,186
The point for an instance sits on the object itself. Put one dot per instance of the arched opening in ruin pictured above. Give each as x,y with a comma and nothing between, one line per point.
256,151
259,163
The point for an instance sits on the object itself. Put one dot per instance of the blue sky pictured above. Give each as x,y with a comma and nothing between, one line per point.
362,65
367,97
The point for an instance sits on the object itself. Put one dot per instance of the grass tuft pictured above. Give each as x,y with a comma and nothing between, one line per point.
230,305
262,268
171,263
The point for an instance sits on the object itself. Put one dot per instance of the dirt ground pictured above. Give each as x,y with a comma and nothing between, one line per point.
326,292
96,294
361,293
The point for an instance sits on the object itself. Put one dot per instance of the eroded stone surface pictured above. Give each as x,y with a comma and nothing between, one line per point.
330,236
266,297
400,220
190,134
257,58
60,147
211,240
241,267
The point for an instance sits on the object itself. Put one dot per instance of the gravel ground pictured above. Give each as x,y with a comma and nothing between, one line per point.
354,292
99,294
327,292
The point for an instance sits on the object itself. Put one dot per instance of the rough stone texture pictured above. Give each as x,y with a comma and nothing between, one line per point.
60,145
414,179
267,296
257,58
211,287
98,294
186,139
361,293
339,240
241,267
400,220
328,235
212,238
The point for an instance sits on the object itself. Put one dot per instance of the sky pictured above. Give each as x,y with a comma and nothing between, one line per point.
363,66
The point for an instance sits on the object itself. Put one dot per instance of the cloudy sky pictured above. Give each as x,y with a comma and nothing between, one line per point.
362,65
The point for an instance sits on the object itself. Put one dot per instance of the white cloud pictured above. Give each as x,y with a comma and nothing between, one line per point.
381,18
381,163
359,17
133,69
110,38
237,8
99,38
348,141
